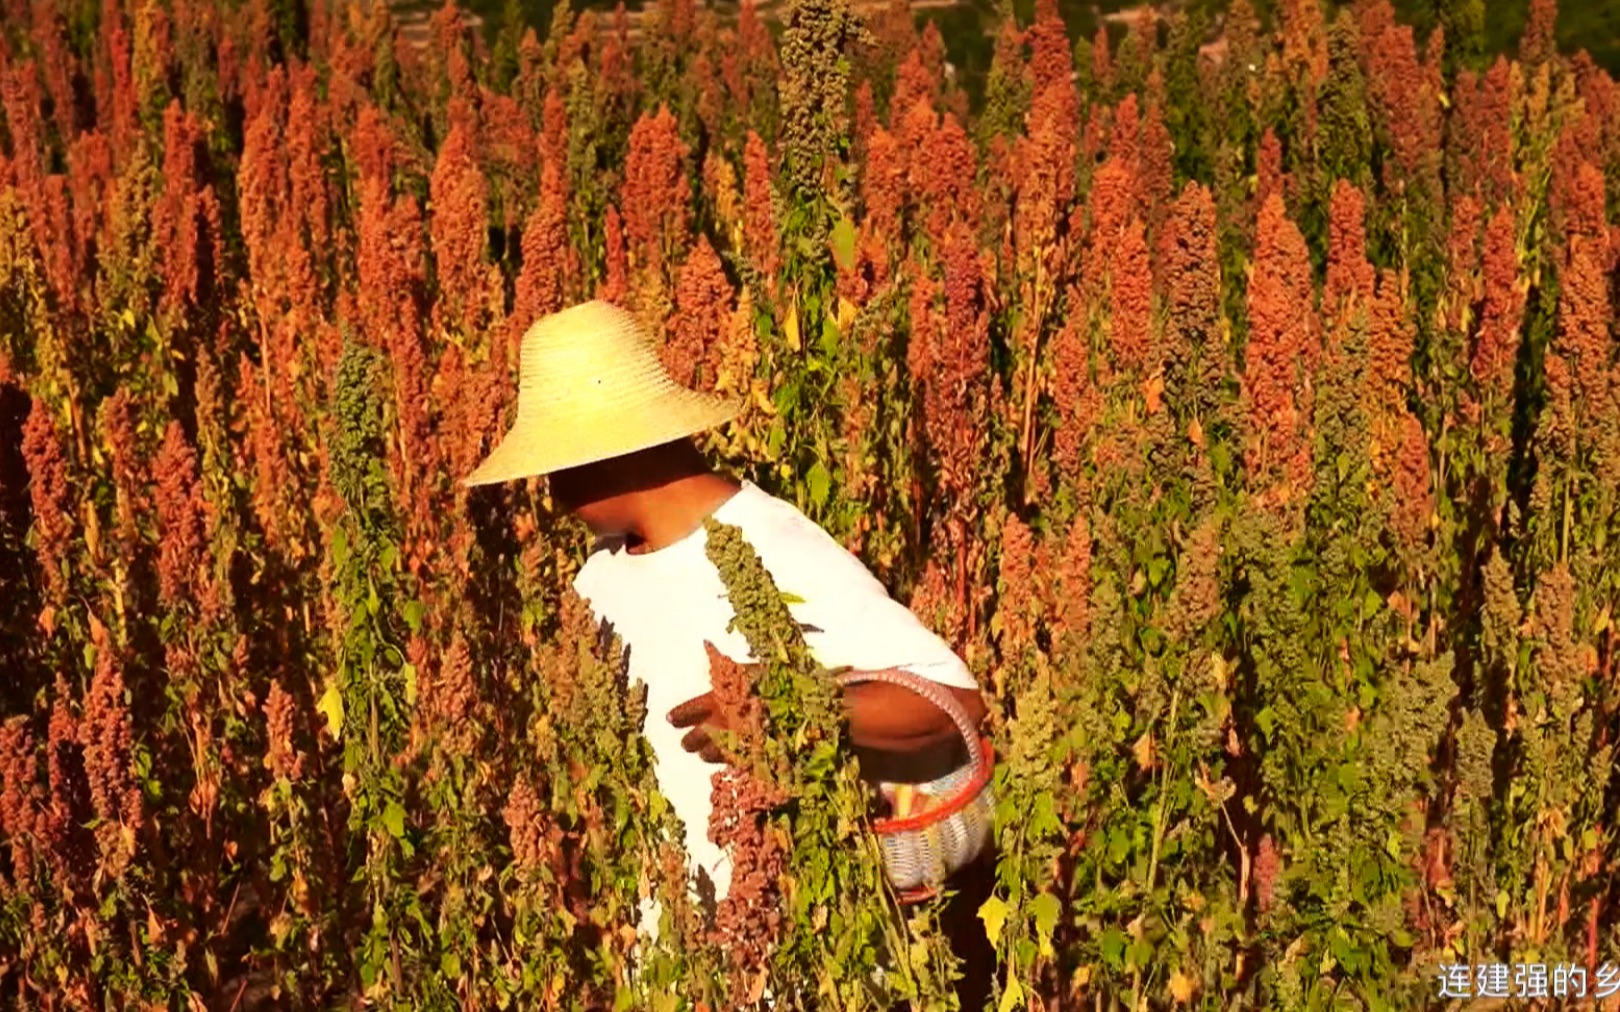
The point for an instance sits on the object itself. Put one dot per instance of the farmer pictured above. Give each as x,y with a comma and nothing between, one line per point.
600,416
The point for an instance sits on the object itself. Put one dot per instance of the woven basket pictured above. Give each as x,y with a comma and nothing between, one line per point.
953,824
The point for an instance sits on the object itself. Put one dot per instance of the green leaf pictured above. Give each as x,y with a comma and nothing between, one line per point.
1156,569
819,481
919,956
1141,952
394,819
331,706
1119,844
1046,909
994,915
843,243
450,965
408,672
1266,719
340,548
412,611
1113,946
830,336
1339,945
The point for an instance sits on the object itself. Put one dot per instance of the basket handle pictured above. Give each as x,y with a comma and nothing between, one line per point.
935,693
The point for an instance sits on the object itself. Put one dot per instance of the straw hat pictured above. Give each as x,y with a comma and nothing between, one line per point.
592,387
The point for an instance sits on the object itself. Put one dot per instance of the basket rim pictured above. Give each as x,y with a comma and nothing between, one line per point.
936,693
952,805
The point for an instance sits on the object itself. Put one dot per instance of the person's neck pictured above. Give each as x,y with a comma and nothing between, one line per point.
661,516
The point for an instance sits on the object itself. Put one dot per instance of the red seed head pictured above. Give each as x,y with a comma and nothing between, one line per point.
656,194
1583,336
702,316
1349,275
459,230
548,256
1496,344
180,518
759,210
1130,301
1193,281
51,497
1279,355
1051,62
1045,182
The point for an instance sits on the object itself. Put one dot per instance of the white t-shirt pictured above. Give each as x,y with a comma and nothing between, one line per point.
665,604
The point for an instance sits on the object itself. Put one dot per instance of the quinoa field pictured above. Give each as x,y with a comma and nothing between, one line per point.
1240,397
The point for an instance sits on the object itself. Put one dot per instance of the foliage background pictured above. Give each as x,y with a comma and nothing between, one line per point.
968,27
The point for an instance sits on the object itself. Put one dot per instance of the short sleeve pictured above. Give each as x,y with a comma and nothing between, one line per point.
587,582
885,634
848,617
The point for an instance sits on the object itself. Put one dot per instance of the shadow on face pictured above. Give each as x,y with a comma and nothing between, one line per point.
598,492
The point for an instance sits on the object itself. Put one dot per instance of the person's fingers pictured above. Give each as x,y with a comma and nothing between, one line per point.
692,712
699,742
696,740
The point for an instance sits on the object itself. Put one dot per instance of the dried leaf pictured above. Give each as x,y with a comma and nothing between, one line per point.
1195,433
1143,751
1153,392
790,329
1397,603
847,312
1182,987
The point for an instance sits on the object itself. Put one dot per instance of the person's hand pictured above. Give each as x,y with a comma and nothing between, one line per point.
703,717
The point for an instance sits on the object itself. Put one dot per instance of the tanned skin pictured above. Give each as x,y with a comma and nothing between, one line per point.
655,497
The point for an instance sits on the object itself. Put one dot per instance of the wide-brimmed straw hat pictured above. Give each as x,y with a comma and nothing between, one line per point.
591,387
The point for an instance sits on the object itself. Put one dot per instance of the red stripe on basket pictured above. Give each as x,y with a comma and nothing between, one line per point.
950,807
917,895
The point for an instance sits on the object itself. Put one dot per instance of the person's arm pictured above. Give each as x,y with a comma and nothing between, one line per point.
891,717
883,718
